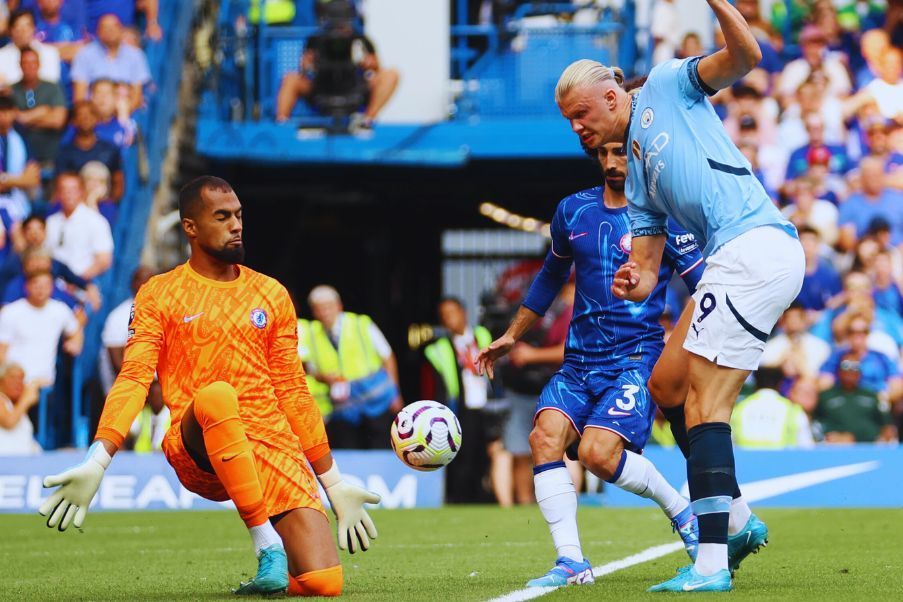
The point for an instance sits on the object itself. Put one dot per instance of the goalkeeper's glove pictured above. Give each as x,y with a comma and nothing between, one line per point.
355,528
77,488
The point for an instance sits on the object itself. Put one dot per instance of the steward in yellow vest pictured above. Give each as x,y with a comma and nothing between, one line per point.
768,420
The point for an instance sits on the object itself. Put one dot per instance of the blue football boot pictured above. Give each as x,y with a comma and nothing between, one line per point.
272,574
688,580
751,537
565,572
687,527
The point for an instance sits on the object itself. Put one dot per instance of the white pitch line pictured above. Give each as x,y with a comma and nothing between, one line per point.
528,593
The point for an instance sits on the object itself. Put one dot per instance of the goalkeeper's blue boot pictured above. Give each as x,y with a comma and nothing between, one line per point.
751,537
688,580
688,528
272,574
565,572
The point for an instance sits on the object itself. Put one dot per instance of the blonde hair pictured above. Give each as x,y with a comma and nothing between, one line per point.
323,294
585,72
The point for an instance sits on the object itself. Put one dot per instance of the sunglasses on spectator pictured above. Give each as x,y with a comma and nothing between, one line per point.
849,366
858,331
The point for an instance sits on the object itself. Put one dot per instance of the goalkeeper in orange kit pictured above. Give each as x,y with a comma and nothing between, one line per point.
223,342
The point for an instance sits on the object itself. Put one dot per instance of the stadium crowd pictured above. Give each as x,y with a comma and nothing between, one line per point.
72,75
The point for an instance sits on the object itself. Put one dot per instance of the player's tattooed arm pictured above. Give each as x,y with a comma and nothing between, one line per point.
522,322
740,55
636,279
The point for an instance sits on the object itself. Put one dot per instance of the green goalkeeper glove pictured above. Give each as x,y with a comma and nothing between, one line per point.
347,501
77,488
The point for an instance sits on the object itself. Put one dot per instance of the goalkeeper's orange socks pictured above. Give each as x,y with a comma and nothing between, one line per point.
324,582
216,410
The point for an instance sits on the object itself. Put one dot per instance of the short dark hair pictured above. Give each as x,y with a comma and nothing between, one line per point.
190,194
37,273
34,217
769,378
102,80
28,49
807,229
18,14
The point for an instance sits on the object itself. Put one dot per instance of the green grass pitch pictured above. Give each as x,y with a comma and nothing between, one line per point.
450,554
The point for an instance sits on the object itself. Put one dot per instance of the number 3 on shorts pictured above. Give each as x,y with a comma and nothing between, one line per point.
630,392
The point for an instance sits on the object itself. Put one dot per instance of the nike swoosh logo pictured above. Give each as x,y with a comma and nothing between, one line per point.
614,412
575,237
689,587
227,458
188,319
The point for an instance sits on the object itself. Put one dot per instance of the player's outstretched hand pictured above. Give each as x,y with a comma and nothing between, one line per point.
496,349
77,487
354,528
626,279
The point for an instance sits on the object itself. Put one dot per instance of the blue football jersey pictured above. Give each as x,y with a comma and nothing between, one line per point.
605,331
684,165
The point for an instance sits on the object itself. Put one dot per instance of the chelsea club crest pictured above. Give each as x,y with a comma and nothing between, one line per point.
259,318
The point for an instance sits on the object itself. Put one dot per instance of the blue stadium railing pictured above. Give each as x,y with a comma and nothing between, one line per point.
142,167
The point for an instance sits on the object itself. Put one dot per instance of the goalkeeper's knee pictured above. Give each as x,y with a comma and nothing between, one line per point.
324,582
214,403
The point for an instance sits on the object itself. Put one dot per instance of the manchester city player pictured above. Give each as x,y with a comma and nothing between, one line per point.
683,165
599,395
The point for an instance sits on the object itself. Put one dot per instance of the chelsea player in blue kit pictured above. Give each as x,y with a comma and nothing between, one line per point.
599,395
683,165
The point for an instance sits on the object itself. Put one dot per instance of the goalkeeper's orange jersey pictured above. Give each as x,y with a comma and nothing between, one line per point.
194,331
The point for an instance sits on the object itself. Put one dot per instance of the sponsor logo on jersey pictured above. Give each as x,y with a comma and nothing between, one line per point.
259,318
685,243
647,118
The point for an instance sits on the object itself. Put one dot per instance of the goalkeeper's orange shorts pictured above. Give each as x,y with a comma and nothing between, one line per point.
287,480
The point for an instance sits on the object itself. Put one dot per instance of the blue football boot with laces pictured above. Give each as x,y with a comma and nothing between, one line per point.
565,572
752,536
688,580
686,525
272,574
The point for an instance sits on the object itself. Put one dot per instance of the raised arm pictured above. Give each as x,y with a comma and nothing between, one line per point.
636,279
740,55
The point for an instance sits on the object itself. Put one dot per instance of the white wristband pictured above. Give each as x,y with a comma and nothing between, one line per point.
98,453
331,476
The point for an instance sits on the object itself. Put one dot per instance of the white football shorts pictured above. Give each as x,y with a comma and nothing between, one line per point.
747,284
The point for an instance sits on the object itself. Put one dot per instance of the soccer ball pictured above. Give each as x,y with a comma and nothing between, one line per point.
426,435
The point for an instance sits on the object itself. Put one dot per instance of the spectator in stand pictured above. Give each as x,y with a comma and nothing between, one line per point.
665,31
32,234
816,58
877,139
126,12
18,172
151,425
30,330
61,24
350,356
798,353
857,300
690,46
16,398
79,236
887,286
450,377
806,210
886,91
811,99
87,146
114,117
873,44
880,374
875,201
768,420
861,15
849,413
355,50
96,178
41,110
22,35
4,18
817,152
821,281
769,41
109,58
35,260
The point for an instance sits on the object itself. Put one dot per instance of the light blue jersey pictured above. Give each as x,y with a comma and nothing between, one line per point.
683,164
